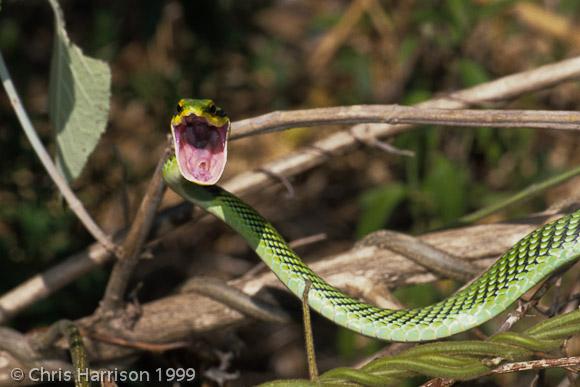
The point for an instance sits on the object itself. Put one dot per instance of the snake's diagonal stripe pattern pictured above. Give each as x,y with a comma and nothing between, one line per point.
527,263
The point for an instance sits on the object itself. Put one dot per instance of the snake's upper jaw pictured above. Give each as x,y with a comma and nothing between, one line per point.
201,149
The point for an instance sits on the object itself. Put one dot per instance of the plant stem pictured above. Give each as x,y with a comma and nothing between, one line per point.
525,194
308,337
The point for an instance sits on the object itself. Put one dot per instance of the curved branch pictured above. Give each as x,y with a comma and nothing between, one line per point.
396,114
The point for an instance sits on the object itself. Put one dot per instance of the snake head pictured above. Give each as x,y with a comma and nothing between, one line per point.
200,133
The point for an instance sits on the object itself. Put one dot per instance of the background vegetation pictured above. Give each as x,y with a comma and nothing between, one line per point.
254,57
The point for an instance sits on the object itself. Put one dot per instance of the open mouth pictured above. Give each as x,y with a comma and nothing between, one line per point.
201,149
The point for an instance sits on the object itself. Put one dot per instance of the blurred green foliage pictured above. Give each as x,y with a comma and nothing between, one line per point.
377,205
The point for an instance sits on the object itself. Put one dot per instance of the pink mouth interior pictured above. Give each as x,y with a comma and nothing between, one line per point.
201,150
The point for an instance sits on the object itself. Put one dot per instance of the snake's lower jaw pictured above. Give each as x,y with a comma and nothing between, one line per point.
201,149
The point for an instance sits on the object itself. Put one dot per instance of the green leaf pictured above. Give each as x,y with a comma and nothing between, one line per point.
80,88
377,206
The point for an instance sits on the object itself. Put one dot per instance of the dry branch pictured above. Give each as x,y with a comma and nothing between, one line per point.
133,243
572,361
396,114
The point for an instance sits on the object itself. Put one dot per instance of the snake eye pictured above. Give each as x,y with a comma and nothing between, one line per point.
220,113
212,109
179,108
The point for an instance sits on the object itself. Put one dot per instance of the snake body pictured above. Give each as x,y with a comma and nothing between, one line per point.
200,130
526,264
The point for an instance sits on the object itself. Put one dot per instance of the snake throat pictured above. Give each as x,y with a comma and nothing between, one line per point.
200,148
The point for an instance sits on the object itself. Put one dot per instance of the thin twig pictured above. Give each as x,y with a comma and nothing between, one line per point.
308,336
42,285
133,243
376,143
140,345
74,203
290,192
385,146
236,299
307,240
565,362
397,115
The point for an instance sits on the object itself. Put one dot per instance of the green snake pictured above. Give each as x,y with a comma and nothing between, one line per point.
200,132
